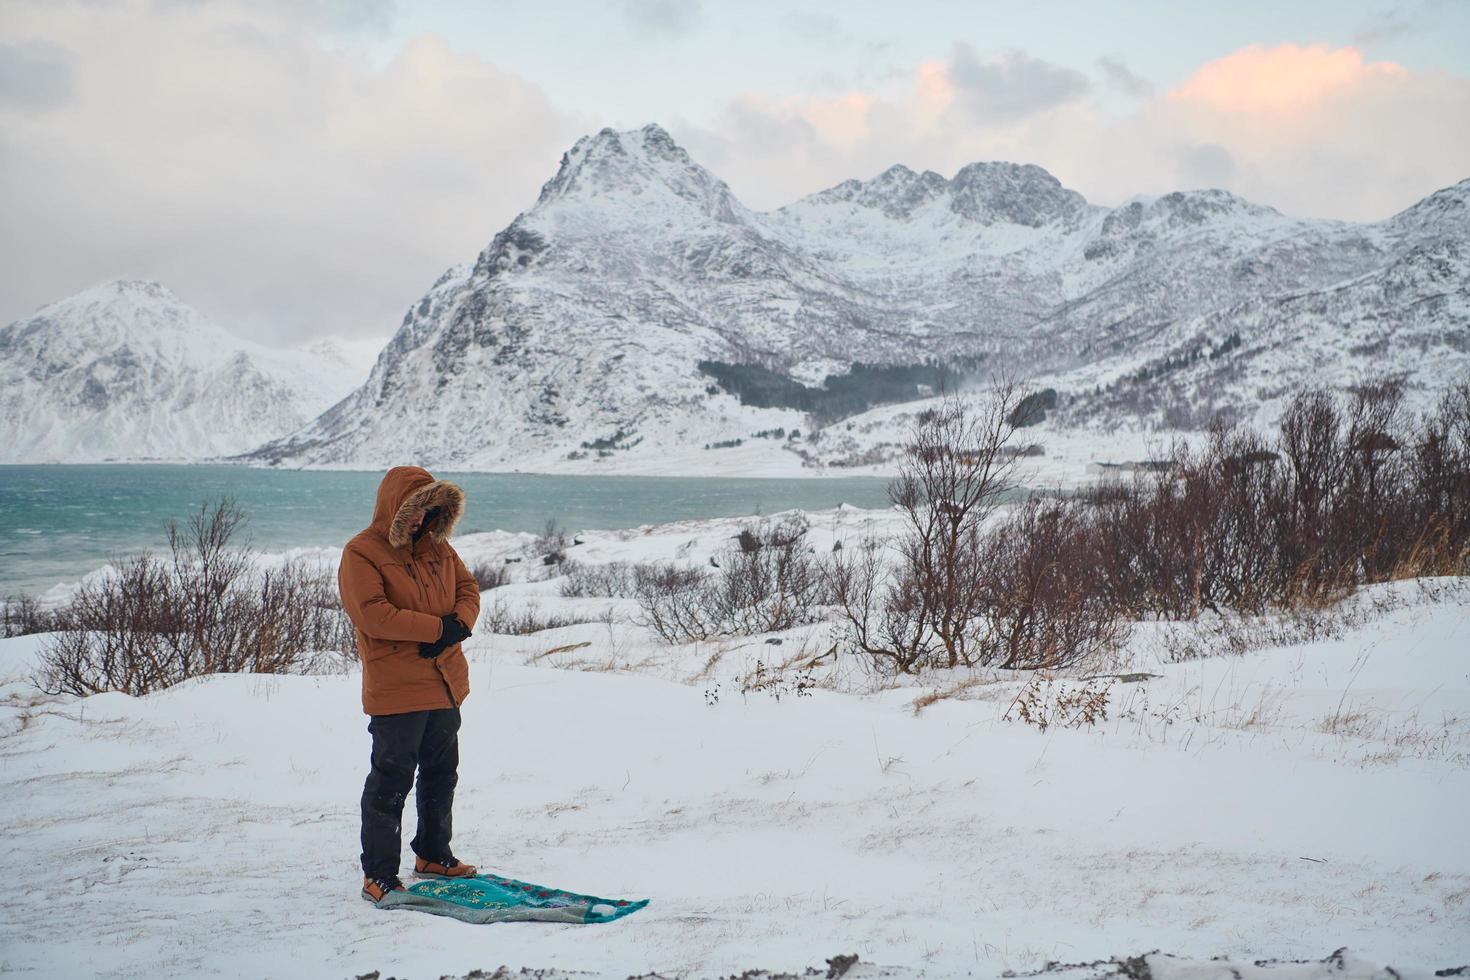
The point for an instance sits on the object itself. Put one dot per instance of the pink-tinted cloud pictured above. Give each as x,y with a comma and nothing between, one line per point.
1284,80
1309,129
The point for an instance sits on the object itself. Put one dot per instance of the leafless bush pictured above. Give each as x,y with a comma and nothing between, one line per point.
1346,495
22,615
612,579
205,607
527,619
489,575
552,544
1351,491
672,600
766,581
926,610
1044,607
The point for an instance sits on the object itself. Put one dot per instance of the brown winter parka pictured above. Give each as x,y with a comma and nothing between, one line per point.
396,589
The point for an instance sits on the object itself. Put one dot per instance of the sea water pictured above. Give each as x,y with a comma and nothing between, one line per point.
58,522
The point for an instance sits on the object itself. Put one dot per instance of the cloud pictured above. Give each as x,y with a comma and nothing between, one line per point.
1008,87
281,182
1205,165
811,26
1121,78
284,187
1312,130
1288,78
1384,26
663,17
35,76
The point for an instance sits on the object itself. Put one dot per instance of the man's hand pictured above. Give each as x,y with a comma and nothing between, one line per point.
454,632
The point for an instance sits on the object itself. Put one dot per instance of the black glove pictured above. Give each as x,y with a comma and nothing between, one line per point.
454,632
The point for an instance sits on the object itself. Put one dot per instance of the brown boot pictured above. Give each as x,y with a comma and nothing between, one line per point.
373,889
447,868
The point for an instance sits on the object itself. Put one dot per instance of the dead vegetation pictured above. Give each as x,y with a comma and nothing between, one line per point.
525,618
956,588
1048,702
583,580
205,607
766,581
1248,535
22,615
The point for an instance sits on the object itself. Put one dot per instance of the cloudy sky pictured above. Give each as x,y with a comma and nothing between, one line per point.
303,168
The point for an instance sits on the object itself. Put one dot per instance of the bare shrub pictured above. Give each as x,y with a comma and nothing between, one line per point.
1351,491
1347,494
672,600
489,575
611,579
1439,473
765,582
527,619
552,544
1044,607
769,582
22,615
205,607
926,610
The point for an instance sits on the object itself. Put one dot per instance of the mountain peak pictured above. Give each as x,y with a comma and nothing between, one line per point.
614,165
1017,193
135,290
897,191
1180,210
987,193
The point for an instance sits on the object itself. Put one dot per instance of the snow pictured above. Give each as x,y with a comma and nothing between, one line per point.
1281,804
588,314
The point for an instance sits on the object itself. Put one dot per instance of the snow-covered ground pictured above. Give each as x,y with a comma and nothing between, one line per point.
1067,452
1280,804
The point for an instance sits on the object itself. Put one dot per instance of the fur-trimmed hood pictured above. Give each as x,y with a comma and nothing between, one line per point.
406,489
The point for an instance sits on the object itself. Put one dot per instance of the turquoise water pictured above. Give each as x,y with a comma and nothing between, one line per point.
59,522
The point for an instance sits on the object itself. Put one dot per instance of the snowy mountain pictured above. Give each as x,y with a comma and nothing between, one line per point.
125,370
581,327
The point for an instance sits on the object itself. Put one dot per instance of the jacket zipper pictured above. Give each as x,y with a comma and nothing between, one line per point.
425,593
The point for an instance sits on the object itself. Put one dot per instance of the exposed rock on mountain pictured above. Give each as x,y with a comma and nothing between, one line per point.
581,325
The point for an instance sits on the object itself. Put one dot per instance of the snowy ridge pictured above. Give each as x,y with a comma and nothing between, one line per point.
581,324
126,370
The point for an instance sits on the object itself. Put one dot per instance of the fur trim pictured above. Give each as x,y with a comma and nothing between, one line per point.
442,494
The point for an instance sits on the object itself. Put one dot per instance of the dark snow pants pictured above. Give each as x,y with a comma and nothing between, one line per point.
428,741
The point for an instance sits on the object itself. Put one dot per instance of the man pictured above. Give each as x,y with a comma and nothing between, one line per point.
413,602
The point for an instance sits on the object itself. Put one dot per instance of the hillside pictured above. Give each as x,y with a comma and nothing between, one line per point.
583,336
127,370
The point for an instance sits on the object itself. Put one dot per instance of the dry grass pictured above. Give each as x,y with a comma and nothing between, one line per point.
956,691
1385,739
